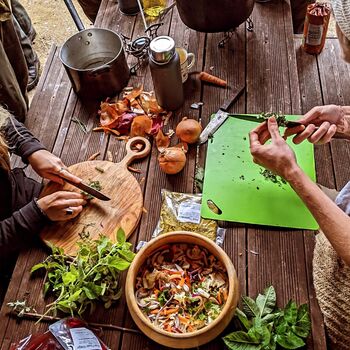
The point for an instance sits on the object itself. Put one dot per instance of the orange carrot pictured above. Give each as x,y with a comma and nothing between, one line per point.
154,312
169,311
212,79
225,294
219,297
182,282
183,319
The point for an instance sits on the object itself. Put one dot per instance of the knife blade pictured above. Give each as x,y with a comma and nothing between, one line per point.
259,119
220,116
88,189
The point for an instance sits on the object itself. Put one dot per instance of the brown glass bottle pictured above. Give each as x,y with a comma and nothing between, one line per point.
166,73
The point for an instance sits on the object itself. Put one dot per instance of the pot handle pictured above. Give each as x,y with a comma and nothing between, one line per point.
99,70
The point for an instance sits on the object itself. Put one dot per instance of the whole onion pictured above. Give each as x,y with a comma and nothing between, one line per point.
188,130
172,160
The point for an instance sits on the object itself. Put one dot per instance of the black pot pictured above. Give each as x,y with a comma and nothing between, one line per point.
211,16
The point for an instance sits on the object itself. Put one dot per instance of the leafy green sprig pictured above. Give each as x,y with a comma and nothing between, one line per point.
93,275
267,327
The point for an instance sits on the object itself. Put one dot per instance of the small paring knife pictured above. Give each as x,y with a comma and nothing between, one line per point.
88,189
259,119
220,116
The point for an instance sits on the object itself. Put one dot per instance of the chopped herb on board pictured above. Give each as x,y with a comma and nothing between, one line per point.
82,126
94,184
270,176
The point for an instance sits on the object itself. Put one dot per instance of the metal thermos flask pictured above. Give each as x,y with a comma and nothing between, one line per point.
166,73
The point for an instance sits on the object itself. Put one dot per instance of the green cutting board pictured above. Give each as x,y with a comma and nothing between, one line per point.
236,186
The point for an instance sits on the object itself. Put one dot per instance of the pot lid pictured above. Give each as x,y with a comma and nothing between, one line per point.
162,49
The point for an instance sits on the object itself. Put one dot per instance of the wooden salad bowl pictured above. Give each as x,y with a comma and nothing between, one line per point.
182,340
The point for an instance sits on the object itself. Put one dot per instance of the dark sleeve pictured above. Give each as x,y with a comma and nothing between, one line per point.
19,229
20,140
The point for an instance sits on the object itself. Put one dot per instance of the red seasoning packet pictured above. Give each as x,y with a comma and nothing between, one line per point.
66,334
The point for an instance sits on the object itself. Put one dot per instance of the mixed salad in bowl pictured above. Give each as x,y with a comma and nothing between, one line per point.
181,288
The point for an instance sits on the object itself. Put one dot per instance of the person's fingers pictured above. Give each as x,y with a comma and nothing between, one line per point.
254,140
330,133
299,138
294,130
69,213
310,116
76,211
320,133
68,195
73,202
64,173
273,129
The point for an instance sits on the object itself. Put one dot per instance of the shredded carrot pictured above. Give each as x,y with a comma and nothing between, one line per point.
169,311
183,319
156,292
182,282
209,78
154,312
219,297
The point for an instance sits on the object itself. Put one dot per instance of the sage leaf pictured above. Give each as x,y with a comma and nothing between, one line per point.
37,267
266,302
291,312
249,307
241,341
243,318
289,341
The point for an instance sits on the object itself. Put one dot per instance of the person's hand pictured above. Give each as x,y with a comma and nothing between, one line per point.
277,156
62,205
329,120
49,167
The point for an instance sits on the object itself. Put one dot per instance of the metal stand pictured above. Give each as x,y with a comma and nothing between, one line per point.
228,35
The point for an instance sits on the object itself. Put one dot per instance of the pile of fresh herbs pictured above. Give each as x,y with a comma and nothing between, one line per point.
280,118
267,327
91,276
270,176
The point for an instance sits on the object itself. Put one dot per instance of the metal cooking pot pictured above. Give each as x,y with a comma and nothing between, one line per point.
214,16
94,60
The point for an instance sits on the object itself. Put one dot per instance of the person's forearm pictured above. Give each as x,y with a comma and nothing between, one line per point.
332,220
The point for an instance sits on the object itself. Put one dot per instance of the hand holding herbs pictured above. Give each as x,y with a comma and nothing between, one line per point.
266,327
93,275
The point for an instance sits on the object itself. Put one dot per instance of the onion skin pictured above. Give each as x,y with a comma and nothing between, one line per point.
172,160
188,130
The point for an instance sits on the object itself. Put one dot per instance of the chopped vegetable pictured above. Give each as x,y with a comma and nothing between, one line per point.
94,184
181,288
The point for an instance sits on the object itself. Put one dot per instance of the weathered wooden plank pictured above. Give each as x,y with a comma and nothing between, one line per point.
311,92
334,74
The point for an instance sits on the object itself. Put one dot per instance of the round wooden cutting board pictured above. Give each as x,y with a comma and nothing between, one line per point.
101,217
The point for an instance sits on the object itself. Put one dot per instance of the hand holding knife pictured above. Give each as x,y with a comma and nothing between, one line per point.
67,177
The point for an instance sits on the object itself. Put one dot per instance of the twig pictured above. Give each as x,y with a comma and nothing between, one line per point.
35,316
81,124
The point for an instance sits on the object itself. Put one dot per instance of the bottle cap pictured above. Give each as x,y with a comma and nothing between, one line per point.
162,49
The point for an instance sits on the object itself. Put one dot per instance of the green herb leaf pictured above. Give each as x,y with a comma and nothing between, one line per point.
303,325
121,236
266,302
241,341
119,263
69,277
291,312
37,267
243,318
249,307
289,341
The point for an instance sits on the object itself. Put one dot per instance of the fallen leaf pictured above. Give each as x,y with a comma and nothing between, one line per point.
141,126
162,141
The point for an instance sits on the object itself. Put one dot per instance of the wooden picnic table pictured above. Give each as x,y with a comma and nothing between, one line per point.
278,77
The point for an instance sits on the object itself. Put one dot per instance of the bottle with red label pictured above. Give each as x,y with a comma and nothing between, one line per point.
315,27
